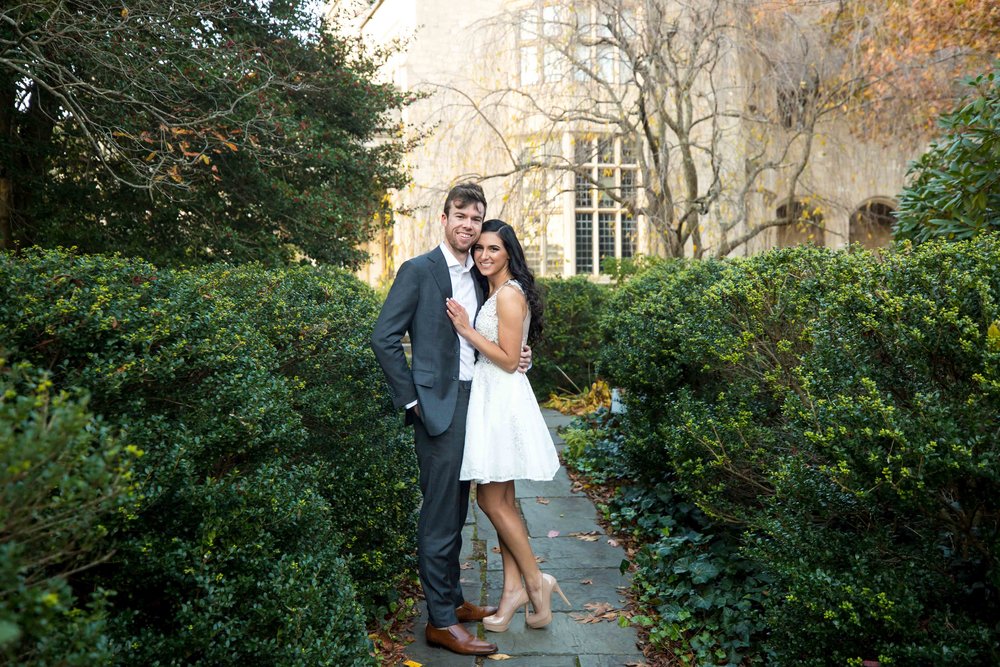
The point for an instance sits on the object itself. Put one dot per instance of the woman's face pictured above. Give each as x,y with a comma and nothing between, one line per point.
490,255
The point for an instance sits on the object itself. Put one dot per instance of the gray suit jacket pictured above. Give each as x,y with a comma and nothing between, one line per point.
416,304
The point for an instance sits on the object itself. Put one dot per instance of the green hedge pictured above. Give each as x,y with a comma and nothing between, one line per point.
275,500
834,417
63,477
563,362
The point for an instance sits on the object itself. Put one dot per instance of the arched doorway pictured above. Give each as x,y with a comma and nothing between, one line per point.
871,224
805,226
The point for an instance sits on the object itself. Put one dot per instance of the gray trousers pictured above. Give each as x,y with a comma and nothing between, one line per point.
442,514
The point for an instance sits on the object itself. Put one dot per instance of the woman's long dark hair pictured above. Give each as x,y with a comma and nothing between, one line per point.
520,272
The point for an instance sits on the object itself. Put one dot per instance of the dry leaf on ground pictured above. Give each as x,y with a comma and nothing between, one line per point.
589,536
541,500
599,611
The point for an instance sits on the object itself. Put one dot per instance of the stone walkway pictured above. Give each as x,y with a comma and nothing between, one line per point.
588,573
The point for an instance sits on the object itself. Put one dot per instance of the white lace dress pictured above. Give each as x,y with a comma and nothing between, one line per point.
506,437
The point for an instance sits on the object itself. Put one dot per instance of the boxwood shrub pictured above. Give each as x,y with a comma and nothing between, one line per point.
63,478
563,362
835,417
274,500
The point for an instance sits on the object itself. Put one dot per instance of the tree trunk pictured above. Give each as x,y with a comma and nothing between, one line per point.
6,163
6,214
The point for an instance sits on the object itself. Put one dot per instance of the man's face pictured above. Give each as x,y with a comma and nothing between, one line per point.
462,225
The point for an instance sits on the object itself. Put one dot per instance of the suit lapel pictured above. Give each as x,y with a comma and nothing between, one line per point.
440,272
479,288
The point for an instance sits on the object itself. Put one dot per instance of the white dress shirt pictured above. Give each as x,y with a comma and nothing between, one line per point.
463,290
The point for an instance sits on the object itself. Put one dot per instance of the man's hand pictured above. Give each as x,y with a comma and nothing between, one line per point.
525,362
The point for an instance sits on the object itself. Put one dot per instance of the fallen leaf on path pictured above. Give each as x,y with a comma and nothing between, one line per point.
541,501
413,663
495,550
499,656
584,618
553,533
613,542
586,582
466,565
599,611
590,536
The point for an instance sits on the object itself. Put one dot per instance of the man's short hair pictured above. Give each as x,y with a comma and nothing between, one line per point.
464,194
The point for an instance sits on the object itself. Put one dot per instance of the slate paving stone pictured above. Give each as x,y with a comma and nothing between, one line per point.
604,587
610,660
567,515
566,642
535,661
558,486
565,636
568,553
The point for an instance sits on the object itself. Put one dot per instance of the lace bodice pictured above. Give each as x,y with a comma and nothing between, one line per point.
488,324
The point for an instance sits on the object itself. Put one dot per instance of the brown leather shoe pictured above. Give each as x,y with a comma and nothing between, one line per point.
469,612
457,639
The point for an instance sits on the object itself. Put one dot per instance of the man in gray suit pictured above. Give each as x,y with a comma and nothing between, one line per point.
434,390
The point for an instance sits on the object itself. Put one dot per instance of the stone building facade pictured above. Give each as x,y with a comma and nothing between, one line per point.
488,83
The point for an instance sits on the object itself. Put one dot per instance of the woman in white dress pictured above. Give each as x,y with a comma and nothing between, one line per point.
506,436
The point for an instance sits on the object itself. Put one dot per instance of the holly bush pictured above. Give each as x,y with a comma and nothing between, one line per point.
833,416
274,501
564,359
65,481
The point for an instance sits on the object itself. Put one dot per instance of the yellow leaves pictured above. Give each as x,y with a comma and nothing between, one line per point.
412,663
124,12
175,174
993,336
598,395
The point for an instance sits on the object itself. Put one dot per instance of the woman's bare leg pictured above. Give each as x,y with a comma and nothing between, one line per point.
497,500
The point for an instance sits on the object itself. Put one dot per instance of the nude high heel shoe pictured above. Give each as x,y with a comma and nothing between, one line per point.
542,615
500,621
